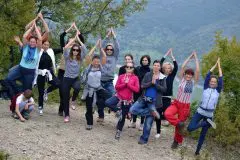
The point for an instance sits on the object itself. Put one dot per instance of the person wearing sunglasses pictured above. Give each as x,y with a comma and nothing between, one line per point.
144,67
127,84
61,69
153,85
108,71
73,60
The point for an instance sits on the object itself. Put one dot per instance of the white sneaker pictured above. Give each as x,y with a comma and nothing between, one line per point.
165,123
41,112
140,127
212,123
132,125
45,95
73,105
157,136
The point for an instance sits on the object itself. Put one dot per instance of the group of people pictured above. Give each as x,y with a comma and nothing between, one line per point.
142,90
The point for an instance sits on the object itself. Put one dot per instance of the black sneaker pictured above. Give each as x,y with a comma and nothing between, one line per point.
118,135
181,126
174,145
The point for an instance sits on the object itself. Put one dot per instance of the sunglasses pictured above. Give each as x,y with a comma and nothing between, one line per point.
76,50
109,49
129,67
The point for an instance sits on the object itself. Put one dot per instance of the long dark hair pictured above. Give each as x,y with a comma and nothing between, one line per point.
148,58
79,52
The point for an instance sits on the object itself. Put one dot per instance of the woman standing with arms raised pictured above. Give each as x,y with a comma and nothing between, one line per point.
73,58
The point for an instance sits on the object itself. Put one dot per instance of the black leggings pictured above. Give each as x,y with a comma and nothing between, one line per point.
67,84
102,95
75,88
121,122
166,104
41,86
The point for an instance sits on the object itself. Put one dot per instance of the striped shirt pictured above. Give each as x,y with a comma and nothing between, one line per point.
184,91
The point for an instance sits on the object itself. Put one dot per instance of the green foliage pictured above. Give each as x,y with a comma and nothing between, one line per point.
228,131
3,155
14,15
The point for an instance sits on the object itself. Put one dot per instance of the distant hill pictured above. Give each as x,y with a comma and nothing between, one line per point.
185,25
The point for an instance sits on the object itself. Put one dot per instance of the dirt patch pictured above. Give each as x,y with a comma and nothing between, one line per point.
48,137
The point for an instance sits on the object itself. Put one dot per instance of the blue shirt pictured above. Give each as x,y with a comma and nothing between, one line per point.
151,92
29,62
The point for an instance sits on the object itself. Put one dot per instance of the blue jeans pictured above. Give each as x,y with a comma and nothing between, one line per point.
26,76
199,121
142,108
23,104
112,103
108,85
147,129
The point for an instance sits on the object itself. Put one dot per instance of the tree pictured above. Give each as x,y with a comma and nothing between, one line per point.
92,17
14,15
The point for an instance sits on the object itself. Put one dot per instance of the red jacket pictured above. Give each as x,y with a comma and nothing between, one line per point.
125,90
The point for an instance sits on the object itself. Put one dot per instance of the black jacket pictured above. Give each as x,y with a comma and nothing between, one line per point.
170,78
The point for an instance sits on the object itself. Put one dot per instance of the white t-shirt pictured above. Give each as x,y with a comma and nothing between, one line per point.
22,99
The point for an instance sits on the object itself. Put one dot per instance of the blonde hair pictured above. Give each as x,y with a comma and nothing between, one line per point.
167,63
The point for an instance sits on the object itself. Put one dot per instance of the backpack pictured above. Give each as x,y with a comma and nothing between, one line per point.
13,102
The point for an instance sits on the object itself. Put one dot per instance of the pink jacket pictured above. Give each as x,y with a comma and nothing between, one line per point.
125,90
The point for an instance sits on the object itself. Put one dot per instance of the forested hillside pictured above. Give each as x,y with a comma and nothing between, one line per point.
184,25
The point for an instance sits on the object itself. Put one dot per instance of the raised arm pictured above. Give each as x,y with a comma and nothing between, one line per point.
26,34
69,44
164,57
83,47
18,41
103,53
208,76
184,65
39,41
89,55
107,39
115,44
220,79
197,72
46,33
30,24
